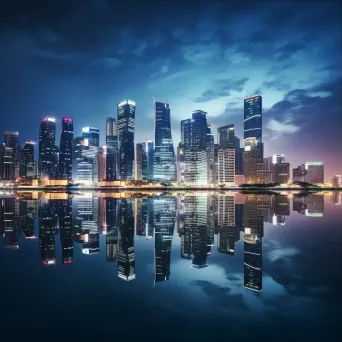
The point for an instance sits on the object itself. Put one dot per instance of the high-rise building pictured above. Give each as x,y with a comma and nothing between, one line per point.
252,137
281,173
314,172
195,149
226,136
11,140
27,162
125,132
226,165
298,174
149,150
2,155
92,135
112,142
180,163
210,155
106,162
336,180
164,164
264,171
140,162
65,149
8,163
48,151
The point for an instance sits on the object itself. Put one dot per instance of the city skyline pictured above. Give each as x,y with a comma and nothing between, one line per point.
221,67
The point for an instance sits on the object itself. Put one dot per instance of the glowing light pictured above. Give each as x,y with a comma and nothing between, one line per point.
85,129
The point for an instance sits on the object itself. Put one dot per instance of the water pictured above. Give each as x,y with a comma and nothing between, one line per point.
186,267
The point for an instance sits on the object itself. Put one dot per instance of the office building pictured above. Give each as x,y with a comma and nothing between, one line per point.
65,149
253,147
8,163
164,164
264,171
336,180
48,151
11,140
210,155
180,163
113,143
149,149
195,149
281,173
314,172
226,165
298,174
125,132
92,135
27,162
140,162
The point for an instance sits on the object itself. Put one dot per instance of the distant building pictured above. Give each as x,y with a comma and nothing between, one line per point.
226,165
149,150
210,155
336,180
11,140
113,144
298,174
180,163
27,162
140,159
92,135
314,172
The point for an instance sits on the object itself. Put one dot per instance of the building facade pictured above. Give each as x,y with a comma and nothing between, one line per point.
226,165
314,172
65,149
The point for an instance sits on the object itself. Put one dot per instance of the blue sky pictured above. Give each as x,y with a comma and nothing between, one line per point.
81,58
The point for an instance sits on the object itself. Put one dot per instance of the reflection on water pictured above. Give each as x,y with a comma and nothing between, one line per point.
196,218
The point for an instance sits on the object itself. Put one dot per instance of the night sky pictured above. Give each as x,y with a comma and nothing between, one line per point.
81,58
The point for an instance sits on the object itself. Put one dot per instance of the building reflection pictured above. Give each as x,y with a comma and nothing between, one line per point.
164,219
197,216
48,228
126,261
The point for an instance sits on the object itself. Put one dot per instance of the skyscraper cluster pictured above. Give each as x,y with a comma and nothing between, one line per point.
198,161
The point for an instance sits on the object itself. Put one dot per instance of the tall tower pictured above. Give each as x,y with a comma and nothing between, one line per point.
112,143
65,149
253,153
12,155
125,132
164,168
27,162
48,151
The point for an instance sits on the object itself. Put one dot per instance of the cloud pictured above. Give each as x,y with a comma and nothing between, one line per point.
209,95
282,253
108,62
201,54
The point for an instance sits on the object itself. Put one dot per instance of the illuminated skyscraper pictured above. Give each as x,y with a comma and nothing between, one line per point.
11,140
113,144
149,156
253,146
180,163
210,155
226,165
92,135
65,149
195,149
164,167
125,131
48,151
27,162
141,171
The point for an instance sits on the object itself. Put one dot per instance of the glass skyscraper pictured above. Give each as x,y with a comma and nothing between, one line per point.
65,150
48,151
27,163
125,132
92,135
253,153
164,167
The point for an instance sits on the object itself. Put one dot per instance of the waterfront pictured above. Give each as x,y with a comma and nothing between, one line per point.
186,267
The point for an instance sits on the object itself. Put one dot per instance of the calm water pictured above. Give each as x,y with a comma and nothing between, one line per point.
193,267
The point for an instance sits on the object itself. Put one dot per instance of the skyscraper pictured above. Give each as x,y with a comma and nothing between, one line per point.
226,165
112,143
314,172
140,161
92,134
65,149
195,149
164,168
48,151
27,162
298,174
210,155
125,131
11,155
336,180
149,156
253,146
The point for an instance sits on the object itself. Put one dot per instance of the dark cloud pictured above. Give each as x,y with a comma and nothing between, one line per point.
222,88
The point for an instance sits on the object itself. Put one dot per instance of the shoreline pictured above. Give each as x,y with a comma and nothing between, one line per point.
136,188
